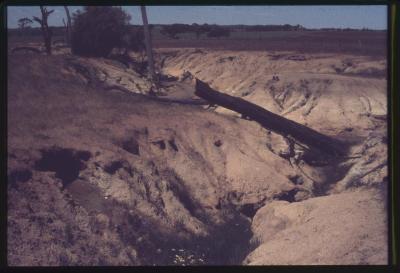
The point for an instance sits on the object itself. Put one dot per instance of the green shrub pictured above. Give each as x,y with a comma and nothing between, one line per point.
97,30
134,40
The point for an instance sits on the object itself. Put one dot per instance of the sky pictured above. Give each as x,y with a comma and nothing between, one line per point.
366,16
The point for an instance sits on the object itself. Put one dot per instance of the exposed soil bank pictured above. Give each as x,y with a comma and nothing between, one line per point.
99,177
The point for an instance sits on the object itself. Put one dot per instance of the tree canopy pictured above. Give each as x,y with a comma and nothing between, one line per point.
98,29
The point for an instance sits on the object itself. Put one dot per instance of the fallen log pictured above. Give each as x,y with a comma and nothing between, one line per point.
272,121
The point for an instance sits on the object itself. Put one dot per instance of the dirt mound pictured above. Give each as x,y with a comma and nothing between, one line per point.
98,177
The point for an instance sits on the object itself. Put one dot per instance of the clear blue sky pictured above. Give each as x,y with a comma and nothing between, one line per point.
373,17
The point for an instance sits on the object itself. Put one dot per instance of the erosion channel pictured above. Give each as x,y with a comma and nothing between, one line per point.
106,169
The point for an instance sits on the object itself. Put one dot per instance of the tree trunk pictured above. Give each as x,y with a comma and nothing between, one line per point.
46,31
149,51
69,24
272,121
48,43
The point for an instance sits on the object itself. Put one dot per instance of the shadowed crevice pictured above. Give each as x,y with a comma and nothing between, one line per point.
66,163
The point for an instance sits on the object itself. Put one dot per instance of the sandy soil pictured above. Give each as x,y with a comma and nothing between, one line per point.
104,170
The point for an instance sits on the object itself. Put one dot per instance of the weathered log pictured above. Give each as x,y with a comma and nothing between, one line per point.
272,121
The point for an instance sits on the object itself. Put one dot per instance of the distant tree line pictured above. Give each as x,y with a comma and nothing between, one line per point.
33,31
344,29
173,30
285,27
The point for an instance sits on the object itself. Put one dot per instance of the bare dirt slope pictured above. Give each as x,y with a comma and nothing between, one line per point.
101,176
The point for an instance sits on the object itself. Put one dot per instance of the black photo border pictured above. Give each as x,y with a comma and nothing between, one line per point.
393,75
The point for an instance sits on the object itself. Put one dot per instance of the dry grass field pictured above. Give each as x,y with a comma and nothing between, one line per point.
370,43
